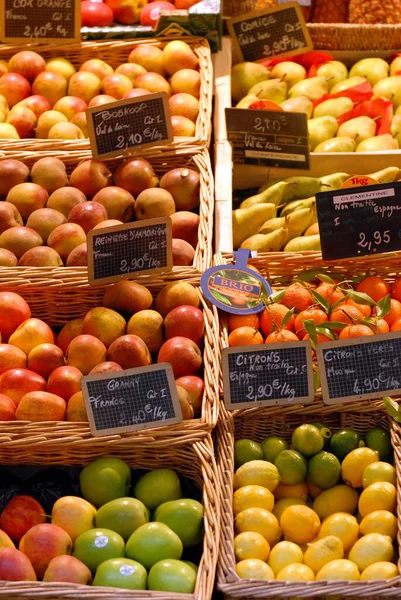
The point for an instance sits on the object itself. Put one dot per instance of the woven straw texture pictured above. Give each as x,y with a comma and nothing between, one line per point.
115,53
193,459
281,422
344,36
200,162
234,8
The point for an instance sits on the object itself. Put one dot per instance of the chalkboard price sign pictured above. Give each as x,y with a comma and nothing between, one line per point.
123,251
125,401
366,220
268,138
278,31
124,126
267,375
360,369
25,21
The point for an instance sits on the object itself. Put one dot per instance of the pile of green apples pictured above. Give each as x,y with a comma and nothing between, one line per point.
287,84
106,537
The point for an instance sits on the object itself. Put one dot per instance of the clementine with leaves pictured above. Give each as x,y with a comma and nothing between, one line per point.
312,313
235,321
297,297
274,315
281,336
373,286
355,331
245,336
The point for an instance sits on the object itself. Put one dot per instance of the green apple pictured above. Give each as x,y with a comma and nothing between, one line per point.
121,573
153,542
184,517
123,515
192,565
97,545
157,487
105,479
172,576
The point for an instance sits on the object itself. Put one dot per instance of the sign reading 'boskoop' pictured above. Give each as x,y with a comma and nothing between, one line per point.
125,401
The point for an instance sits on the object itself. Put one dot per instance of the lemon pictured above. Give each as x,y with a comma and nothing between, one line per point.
283,554
371,548
323,551
355,463
250,544
257,472
324,470
261,521
313,490
340,569
300,524
284,503
299,490
378,471
292,467
272,446
254,569
344,441
252,496
307,440
296,572
379,570
343,526
245,451
378,496
379,439
379,521
339,498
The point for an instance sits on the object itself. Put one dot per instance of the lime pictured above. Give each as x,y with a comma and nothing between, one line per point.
283,554
343,526
378,496
272,446
371,548
323,551
307,440
254,568
324,470
296,572
326,433
342,442
245,451
340,569
291,466
379,439
378,471
257,472
355,463
251,544
380,570
379,521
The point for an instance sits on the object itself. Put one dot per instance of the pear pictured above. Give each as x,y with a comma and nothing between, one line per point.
387,175
333,181
359,129
398,111
313,88
247,221
273,89
297,205
247,101
337,144
396,127
290,72
395,66
378,143
297,222
299,104
374,69
271,195
244,75
269,242
389,88
300,187
303,244
272,225
333,107
348,83
321,129
334,71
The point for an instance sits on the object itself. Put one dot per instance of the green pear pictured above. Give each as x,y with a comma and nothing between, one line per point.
297,205
396,127
387,175
359,129
389,88
313,88
333,181
333,107
321,129
244,75
271,195
247,101
337,144
273,89
395,66
348,83
297,222
290,72
334,71
398,111
303,244
300,187
378,143
247,221
272,225
374,69
299,104
269,242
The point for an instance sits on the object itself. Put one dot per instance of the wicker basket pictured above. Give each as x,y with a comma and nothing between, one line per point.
234,8
200,162
193,459
116,52
281,422
344,36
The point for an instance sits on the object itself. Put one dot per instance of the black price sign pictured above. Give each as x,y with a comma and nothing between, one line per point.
267,375
360,369
125,401
126,125
23,21
280,30
122,251
268,138
366,220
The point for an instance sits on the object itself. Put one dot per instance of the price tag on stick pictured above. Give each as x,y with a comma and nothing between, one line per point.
24,21
360,369
125,401
124,126
268,375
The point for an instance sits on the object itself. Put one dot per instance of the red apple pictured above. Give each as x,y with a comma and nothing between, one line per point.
185,226
126,12
101,99
15,566
51,85
37,104
68,568
20,514
88,214
23,119
186,321
42,543
65,382
195,387
70,106
27,63
15,383
96,14
150,14
183,354
7,408
135,93
14,88
14,310
106,367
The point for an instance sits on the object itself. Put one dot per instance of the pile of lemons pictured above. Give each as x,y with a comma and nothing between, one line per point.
322,509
